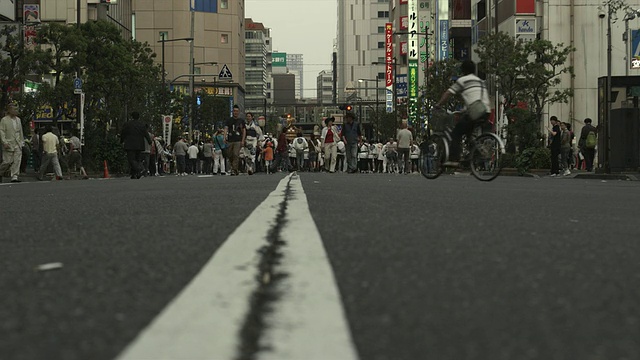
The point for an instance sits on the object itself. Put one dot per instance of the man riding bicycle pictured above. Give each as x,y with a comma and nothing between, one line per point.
478,107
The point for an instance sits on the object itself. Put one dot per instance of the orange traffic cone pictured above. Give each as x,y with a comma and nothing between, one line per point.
106,170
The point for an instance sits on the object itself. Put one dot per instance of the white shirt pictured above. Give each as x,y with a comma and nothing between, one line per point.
471,88
50,143
193,152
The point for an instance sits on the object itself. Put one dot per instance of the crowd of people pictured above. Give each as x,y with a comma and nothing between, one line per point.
565,155
241,147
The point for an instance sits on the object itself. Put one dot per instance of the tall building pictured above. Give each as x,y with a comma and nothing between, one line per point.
257,47
361,42
325,87
218,42
295,66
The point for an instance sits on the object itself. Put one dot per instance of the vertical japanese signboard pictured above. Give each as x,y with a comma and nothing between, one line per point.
413,40
388,59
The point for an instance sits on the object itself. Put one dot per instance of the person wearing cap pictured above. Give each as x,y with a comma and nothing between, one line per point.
329,138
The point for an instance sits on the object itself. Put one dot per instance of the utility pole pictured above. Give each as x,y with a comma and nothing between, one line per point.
191,69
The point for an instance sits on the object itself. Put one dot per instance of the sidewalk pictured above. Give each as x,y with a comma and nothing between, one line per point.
575,174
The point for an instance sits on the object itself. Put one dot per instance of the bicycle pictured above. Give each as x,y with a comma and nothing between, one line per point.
482,152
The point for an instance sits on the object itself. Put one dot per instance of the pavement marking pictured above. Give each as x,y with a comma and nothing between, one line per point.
204,320
308,321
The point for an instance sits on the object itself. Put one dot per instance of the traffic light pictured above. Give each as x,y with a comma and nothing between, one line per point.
349,107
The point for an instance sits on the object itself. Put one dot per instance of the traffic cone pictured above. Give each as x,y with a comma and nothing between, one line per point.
106,170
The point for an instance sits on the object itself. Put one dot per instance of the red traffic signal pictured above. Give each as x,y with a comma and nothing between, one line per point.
348,107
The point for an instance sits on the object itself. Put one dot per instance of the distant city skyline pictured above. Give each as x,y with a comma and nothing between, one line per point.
311,36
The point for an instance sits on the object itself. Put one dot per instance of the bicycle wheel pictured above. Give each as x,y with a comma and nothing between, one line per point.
486,157
433,154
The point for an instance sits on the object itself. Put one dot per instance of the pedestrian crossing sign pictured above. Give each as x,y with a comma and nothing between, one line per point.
225,73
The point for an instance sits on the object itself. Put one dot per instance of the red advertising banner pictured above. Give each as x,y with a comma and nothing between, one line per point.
525,7
404,1
388,56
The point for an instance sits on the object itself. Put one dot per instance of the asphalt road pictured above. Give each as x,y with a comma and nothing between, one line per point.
518,268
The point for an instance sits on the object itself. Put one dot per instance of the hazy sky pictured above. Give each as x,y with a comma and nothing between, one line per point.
305,27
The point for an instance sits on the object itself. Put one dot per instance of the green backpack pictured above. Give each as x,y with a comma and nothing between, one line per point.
591,140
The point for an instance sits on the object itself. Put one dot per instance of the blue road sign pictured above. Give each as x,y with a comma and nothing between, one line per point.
77,83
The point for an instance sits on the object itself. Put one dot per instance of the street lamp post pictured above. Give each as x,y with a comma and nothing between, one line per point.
164,74
377,97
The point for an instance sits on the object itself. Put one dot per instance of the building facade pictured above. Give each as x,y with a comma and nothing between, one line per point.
218,43
360,43
324,86
257,40
295,66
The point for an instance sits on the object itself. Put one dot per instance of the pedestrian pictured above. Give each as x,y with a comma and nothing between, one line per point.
565,148
300,145
180,153
555,145
219,147
235,134
36,150
268,157
341,150
12,139
193,151
363,156
329,139
75,154
405,140
314,148
587,143
391,154
380,160
133,137
50,146
352,136
282,154
254,134
146,153
161,155
207,153
415,156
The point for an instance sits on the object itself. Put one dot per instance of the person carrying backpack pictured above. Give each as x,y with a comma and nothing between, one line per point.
300,145
587,143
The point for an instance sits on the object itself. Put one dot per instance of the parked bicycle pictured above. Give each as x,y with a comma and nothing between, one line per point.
481,152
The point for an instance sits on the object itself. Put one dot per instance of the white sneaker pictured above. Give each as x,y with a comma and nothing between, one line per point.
566,172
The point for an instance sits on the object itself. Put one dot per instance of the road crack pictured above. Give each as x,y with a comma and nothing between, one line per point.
267,291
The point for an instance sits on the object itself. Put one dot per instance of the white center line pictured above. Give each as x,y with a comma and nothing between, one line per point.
204,320
308,322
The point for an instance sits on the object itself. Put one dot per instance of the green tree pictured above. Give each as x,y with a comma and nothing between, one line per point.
504,57
542,75
16,62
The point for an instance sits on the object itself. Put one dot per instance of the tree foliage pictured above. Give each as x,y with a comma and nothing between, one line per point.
504,57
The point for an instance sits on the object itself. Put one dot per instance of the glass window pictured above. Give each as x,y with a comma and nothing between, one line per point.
380,44
164,35
224,38
381,29
224,4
